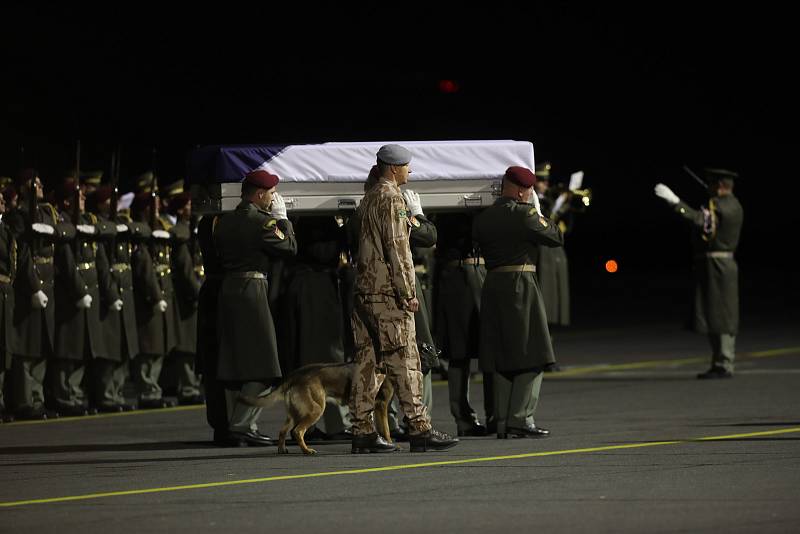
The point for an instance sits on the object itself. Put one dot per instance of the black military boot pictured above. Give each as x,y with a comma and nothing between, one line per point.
432,440
471,428
371,443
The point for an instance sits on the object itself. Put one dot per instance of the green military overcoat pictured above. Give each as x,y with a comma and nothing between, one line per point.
514,335
187,279
552,272
246,241
715,236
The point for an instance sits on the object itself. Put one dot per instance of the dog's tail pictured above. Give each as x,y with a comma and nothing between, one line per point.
264,401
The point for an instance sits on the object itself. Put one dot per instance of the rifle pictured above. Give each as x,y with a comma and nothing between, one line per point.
697,178
153,195
115,156
76,208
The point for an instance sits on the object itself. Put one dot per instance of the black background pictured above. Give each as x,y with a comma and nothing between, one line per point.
627,95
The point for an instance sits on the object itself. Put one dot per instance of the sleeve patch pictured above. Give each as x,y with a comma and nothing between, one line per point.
270,223
402,214
532,212
413,222
278,233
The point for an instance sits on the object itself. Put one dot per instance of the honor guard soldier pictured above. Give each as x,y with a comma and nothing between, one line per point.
247,241
8,268
152,290
37,229
715,236
514,338
461,273
383,320
187,276
118,313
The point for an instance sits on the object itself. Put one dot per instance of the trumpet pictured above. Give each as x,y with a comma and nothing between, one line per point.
578,199
585,196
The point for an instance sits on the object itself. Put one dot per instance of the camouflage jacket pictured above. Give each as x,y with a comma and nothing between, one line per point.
384,263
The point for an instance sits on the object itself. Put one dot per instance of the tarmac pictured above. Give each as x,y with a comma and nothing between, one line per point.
638,444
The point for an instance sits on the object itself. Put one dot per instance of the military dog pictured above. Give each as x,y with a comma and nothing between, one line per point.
304,392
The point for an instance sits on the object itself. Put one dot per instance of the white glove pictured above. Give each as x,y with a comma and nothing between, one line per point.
85,228
40,228
160,234
39,300
161,305
535,202
116,305
84,302
278,208
413,202
666,193
122,228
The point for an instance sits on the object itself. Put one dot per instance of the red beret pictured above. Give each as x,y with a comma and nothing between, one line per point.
179,201
521,176
102,193
9,193
141,201
262,179
66,190
25,176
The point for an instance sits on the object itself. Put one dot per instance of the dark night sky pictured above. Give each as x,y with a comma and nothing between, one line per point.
627,96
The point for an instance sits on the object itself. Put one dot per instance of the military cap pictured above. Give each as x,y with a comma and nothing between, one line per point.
142,200
543,171
178,202
172,189
25,176
144,183
521,176
262,179
712,174
91,177
394,155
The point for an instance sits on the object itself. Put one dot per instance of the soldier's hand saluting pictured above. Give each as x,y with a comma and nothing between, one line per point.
666,193
278,207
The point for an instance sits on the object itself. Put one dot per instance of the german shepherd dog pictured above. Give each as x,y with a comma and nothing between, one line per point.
304,392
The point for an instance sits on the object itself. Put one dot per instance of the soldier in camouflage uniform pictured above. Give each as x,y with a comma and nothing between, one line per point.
383,321
716,230
247,241
514,338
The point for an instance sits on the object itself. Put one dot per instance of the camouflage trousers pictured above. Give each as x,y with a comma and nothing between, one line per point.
386,347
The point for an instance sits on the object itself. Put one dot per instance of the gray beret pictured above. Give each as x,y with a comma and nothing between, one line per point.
394,155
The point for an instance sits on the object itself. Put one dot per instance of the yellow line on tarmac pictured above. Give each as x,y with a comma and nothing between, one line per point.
105,415
390,468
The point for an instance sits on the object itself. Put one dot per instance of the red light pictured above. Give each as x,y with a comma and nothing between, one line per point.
448,86
611,266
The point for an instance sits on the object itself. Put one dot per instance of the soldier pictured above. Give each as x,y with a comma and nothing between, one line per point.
460,279
187,276
385,301
118,314
313,324
79,340
34,311
152,289
716,229
552,270
8,267
514,339
207,338
247,241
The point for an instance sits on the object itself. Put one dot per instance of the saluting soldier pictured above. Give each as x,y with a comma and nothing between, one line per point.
383,320
461,274
78,336
187,276
118,314
152,289
247,241
552,269
8,268
207,338
34,310
514,338
715,236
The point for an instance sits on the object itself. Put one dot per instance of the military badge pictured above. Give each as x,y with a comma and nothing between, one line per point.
278,233
413,222
270,223
531,212
543,221
401,214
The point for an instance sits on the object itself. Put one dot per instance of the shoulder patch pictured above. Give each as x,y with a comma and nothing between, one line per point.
532,212
270,223
414,222
543,221
402,214
278,233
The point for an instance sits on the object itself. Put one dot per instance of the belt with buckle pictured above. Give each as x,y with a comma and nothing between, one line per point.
85,266
120,267
466,261
716,254
42,260
5,279
524,268
258,275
